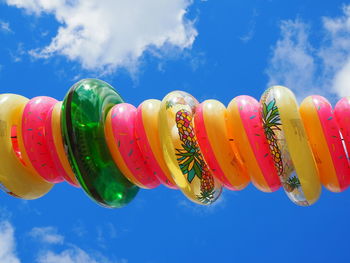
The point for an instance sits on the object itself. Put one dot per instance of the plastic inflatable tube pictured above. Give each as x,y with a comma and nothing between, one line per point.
224,161
16,179
181,151
120,128
246,131
177,142
146,128
55,144
289,146
207,150
342,115
15,144
35,140
84,112
326,142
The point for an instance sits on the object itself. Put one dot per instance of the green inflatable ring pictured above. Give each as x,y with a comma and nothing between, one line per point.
84,111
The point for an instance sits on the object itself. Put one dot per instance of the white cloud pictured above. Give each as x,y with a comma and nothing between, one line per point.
336,52
47,235
307,68
70,254
5,27
75,255
108,34
7,244
292,63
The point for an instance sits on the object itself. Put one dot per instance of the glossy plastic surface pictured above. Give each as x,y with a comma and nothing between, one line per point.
54,141
84,112
289,146
181,151
16,179
146,128
120,127
342,115
35,138
222,156
326,142
246,130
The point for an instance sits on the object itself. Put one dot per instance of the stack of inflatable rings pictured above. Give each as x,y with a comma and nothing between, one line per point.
110,149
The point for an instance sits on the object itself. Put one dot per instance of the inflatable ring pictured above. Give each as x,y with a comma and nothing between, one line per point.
84,112
225,162
146,127
120,130
15,144
181,151
34,137
16,179
289,146
55,144
246,131
326,143
342,115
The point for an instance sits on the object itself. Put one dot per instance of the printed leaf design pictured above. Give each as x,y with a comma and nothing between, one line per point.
293,183
190,158
271,122
169,104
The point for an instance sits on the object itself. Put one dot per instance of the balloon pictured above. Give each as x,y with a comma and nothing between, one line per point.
16,178
84,112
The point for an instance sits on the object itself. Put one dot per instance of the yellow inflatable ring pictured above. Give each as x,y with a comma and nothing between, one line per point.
222,157
289,146
15,178
181,150
57,137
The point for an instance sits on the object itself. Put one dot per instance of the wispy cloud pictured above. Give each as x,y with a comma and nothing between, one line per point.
18,54
105,233
74,255
5,27
68,253
7,243
251,28
47,235
105,35
308,68
203,210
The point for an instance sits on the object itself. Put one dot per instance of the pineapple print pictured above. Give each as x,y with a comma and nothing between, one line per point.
292,184
190,158
271,122
207,187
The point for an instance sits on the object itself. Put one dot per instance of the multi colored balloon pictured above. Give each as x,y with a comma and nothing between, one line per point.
110,149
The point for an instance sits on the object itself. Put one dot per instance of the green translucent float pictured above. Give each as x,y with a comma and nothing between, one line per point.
84,111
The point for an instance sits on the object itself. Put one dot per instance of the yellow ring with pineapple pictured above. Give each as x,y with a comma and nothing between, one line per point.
289,145
181,149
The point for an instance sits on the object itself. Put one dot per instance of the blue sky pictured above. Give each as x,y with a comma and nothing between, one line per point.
145,49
